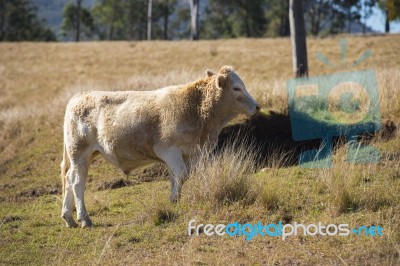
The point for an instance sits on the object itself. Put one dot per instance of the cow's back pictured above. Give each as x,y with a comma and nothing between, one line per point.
122,125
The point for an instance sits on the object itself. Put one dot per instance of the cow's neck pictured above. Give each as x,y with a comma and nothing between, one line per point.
218,117
213,112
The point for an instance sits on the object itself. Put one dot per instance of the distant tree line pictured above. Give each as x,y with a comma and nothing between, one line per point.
19,22
187,19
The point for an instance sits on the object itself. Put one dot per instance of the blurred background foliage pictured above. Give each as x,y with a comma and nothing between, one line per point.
66,20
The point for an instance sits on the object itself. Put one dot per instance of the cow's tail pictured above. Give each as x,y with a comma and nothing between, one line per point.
64,168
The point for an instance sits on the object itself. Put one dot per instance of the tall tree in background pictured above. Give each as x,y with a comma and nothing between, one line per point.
78,20
180,25
366,11
194,22
217,22
298,37
135,19
319,15
166,16
110,19
391,8
234,18
76,23
253,17
149,22
351,10
168,8
2,19
277,18
19,22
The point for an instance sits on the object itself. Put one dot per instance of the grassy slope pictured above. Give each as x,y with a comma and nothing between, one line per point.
130,225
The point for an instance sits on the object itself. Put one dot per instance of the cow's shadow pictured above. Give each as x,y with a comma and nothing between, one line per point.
271,135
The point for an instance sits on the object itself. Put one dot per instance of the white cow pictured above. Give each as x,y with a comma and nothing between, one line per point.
135,128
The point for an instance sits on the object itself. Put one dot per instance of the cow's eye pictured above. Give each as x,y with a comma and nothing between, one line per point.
236,89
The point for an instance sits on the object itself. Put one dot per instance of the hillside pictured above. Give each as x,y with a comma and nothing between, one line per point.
133,221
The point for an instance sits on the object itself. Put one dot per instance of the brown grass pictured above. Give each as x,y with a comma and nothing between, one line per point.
224,177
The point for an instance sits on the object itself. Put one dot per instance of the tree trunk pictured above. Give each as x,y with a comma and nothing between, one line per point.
110,32
349,21
166,15
78,20
2,20
312,23
247,26
149,20
363,16
194,11
387,21
318,22
298,38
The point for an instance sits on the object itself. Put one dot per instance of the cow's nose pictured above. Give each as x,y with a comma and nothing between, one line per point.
258,108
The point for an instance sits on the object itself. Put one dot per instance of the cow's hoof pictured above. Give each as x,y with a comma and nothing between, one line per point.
86,223
69,221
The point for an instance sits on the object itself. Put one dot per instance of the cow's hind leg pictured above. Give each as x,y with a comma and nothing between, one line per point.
68,201
80,171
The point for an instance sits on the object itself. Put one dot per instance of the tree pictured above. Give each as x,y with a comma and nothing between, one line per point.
194,22
252,14
217,22
110,19
168,7
350,9
277,18
166,16
2,19
298,38
366,11
235,18
135,19
319,14
180,25
77,22
19,22
150,5
391,8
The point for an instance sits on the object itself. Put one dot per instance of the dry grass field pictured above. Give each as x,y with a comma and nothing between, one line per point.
133,221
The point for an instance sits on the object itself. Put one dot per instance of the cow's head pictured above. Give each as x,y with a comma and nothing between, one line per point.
234,90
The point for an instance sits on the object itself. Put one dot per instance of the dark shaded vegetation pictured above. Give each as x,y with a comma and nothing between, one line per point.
272,135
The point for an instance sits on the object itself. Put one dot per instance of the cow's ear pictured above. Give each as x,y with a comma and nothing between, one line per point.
210,73
221,81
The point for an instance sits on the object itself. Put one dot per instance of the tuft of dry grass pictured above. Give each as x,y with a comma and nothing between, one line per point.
163,212
223,177
353,188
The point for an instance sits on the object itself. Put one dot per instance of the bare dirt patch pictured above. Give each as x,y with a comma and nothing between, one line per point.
39,191
147,174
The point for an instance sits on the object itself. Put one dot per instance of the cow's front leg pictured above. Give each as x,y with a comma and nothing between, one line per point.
172,156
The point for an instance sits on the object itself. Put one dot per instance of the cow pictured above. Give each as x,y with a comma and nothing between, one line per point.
131,129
